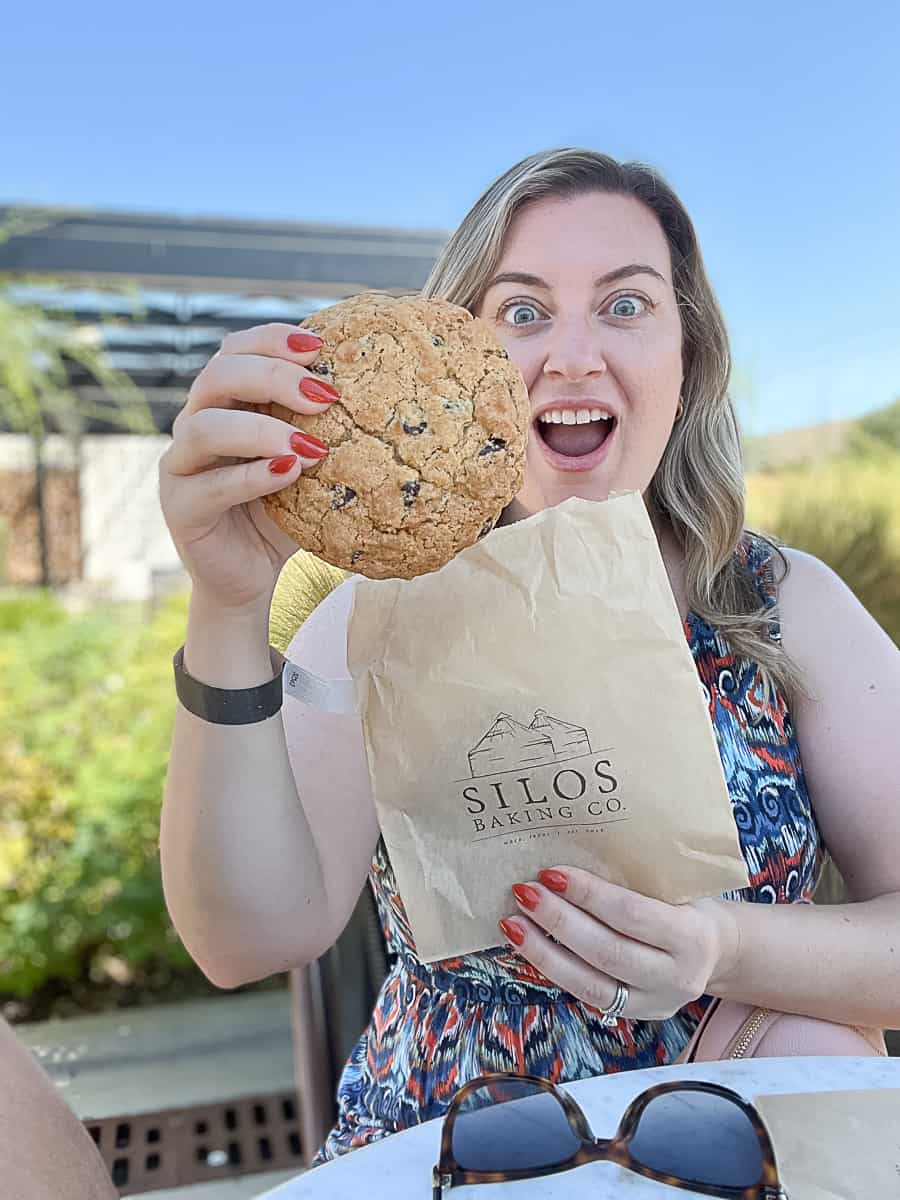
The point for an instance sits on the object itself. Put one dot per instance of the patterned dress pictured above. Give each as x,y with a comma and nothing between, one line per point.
437,1025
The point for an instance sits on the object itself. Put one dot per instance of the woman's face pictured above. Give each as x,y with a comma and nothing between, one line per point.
583,302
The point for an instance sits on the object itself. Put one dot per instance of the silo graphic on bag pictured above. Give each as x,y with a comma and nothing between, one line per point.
509,745
569,741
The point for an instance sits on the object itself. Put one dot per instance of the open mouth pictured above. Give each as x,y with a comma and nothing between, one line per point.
576,438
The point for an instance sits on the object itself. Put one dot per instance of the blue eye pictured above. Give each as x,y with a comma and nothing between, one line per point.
635,306
632,300
520,306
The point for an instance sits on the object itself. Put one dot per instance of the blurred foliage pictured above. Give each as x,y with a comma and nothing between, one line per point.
35,351
38,350
84,743
877,429
34,610
85,736
37,347
304,582
846,511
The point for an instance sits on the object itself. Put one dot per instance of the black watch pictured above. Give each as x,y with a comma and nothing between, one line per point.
230,706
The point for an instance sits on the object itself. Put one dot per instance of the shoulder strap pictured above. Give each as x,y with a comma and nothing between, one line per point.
689,1053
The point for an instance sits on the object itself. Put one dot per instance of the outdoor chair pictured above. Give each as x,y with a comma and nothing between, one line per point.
331,1003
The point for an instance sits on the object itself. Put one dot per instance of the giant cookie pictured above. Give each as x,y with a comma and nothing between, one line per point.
427,442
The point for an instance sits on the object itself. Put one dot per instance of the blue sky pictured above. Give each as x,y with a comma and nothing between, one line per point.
776,123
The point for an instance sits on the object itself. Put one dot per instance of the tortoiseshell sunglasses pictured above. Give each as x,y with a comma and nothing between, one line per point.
697,1136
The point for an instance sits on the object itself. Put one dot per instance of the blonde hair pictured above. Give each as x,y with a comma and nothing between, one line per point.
699,483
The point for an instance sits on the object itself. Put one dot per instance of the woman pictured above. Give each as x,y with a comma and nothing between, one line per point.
590,273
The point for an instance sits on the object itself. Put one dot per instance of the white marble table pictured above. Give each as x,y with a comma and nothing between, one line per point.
400,1167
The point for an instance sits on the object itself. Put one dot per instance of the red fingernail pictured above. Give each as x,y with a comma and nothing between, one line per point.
512,932
321,393
308,446
282,464
528,897
304,342
554,880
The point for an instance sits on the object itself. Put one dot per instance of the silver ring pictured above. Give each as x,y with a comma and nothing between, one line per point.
610,1016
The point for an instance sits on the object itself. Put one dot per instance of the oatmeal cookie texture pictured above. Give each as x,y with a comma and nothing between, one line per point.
427,442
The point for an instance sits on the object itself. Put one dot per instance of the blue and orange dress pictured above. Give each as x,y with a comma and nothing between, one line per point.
437,1025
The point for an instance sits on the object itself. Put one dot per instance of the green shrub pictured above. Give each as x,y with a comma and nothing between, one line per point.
21,609
85,735
881,427
85,731
847,513
856,544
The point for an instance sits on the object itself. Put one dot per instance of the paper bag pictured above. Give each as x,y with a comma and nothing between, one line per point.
532,704
836,1145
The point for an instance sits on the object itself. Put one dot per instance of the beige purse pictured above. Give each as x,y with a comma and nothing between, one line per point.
730,1029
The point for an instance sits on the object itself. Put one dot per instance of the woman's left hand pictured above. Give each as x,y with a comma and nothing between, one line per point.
585,935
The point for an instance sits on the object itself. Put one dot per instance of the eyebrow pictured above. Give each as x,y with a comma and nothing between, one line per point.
609,277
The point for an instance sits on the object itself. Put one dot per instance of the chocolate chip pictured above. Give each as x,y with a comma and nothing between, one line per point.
415,429
437,340
454,406
410,490
319,368
356,556
486,528
493,446
341,496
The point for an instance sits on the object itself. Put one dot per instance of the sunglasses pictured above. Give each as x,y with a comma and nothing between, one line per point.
697,1136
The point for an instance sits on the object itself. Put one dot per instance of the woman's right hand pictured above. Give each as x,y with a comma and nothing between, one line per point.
232,550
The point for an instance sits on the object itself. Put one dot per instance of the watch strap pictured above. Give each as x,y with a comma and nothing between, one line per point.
230,706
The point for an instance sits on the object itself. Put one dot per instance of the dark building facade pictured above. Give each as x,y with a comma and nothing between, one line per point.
161,292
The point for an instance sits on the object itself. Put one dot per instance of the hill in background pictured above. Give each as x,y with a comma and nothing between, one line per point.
796,446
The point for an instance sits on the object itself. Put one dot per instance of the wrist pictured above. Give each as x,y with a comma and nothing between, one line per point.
209,608
227,647
727,943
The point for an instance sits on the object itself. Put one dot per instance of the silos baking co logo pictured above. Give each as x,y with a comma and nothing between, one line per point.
542,776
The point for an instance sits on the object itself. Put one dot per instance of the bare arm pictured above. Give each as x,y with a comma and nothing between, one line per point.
267,829
45,1151
840,962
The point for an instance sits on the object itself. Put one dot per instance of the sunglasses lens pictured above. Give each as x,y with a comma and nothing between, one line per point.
698,1137
511,1125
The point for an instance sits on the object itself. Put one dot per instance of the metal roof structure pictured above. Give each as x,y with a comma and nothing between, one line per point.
160,292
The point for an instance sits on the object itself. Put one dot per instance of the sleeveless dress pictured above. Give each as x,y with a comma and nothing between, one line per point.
437,1025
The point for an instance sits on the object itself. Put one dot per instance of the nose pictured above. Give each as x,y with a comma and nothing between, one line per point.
575,351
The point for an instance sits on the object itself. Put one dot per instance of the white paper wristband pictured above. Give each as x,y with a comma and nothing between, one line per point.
324,695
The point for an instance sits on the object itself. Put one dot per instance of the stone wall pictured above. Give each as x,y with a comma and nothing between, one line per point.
106,528
20,555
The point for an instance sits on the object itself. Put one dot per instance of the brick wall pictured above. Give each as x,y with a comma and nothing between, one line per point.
20,558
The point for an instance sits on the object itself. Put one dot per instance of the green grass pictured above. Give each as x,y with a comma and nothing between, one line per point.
846,511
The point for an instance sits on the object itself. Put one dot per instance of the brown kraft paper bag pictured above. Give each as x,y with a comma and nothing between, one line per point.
534,703
841,1145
